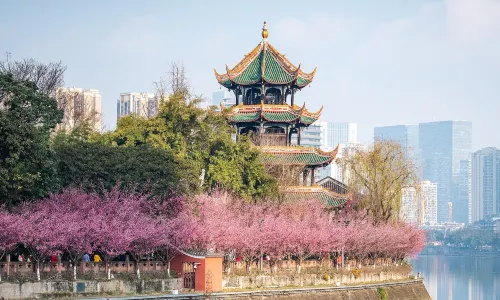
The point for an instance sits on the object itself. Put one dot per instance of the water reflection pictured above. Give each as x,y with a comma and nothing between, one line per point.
460,277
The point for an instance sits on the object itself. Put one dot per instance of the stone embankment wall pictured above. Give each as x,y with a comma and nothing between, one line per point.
410,290
50,289
274,281
405,290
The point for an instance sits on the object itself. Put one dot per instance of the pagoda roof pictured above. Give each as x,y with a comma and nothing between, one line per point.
296,155
264,64
282,113
329,198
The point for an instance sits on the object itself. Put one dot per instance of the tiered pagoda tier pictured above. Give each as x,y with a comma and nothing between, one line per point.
265,83
272,113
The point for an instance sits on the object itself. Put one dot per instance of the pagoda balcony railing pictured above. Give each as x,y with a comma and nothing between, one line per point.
270,139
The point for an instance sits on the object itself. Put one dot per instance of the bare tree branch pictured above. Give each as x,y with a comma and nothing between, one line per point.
47,77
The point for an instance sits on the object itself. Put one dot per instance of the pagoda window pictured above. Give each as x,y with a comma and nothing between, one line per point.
275,130
252,96
273,96
248,130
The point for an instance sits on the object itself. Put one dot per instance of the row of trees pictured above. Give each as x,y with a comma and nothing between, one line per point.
116,222
469,237
183,150
301,230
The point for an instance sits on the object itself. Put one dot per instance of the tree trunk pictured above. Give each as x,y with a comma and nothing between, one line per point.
109,272
74,271
137,270
38,270
168,269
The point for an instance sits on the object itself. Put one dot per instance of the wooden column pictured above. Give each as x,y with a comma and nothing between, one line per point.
312,176
288,133
298,135
304,177
293,93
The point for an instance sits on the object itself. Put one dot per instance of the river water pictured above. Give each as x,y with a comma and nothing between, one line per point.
460,277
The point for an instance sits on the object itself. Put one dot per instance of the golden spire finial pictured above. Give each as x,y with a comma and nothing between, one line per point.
264,31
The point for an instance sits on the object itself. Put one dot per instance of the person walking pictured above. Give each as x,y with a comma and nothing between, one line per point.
97,258
86,257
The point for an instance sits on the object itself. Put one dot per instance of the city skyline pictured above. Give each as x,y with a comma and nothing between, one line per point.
380,64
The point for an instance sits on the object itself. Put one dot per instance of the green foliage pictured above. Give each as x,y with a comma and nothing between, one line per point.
93,165
377,178
435,236
27,118
382,292
201,139
169,152
472,238
238,167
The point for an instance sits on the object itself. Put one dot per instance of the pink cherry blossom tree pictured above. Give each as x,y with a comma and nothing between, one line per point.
9,224
40,233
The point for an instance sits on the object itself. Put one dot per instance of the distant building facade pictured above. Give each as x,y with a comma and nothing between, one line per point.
224,98
334,133
405,135
344,134
79,105
485,183
445,149
309,137
419,207
144,105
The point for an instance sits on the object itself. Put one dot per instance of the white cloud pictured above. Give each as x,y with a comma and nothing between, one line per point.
471,21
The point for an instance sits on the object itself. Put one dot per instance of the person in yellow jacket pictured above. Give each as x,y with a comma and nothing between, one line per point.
97,258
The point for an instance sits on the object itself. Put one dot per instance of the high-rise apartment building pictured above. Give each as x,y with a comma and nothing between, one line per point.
79,106
309,137
405,135
445,149
419,207
334,133
485,183
143,105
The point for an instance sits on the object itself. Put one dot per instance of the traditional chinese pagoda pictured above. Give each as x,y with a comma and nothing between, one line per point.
265,83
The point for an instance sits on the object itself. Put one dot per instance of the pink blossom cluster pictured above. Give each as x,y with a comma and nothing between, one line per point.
300,230
120,222
75,222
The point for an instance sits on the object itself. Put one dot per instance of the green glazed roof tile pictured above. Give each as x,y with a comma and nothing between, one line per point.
308,159
307,120
252,74
280,116
274,72
245,117
324,197
277,70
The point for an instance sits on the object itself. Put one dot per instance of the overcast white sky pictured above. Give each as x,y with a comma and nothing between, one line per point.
383,62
